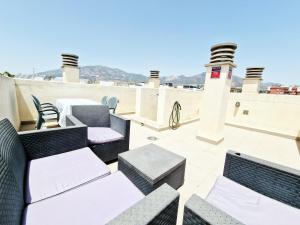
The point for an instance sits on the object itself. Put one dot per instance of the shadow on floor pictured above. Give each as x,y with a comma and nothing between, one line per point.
298,142
26,127
298,146
31,126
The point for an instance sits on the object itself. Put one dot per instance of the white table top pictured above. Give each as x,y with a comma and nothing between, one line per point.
64,107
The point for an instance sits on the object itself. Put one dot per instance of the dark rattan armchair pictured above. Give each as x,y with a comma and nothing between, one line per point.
112,103
16,150
45,111
271,180
108,134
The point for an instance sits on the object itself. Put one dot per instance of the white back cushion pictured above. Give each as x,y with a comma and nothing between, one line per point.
58,173
94,203
250,207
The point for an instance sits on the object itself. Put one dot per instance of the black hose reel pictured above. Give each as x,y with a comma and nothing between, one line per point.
174,120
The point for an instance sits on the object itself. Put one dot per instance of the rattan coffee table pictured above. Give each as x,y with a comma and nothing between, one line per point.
150,166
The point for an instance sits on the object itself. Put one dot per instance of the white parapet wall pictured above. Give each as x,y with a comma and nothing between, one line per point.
50,91
276,114
70,74
8,101
251,85
190,101
154,105
146,103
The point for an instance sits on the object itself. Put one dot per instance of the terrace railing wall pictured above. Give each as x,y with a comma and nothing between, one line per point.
146,102
275,114
8,101
190,101
50,91
154,105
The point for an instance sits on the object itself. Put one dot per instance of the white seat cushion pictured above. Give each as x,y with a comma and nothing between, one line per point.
250,207
94,203
99,135
58,173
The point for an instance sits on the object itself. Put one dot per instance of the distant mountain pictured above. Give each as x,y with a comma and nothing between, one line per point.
196,79
99,72
107,73
182,79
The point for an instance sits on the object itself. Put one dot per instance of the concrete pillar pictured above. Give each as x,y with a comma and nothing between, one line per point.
70,69
161,106
154,80
138,101
252,80
216,93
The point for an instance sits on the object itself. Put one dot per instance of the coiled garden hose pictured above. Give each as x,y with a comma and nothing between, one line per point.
175,116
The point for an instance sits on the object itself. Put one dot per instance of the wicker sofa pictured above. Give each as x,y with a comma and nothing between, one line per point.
30,161
108,134
251,191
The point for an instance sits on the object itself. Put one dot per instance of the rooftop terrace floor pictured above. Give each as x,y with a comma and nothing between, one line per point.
205,161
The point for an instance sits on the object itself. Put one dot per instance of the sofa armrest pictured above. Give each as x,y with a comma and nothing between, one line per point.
120,125
159,207
199,211
43,143
272,180
73,121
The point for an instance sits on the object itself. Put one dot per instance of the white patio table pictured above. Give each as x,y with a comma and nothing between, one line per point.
64,107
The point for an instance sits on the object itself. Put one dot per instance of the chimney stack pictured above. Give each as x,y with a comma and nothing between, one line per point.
221,53
154,80
252,80
216,92
70,69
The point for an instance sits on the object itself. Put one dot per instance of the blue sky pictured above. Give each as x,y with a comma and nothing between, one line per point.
140,35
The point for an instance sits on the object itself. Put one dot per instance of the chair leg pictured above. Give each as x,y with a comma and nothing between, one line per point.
57,117
36,123
39,123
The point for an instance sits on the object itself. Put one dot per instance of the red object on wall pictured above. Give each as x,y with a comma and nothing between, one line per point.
229,73
293,91
279,90
215,72
284,90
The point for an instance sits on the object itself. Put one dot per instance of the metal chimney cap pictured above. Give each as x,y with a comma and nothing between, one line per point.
229,45
154,73
69,60
222,53
255,68
69,55
254,72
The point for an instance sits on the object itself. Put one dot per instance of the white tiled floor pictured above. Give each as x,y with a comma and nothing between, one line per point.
205,161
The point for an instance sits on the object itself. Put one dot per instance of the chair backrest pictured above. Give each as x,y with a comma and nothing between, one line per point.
13,163
36,102
92,115
36,99
112,103
272,180
104,100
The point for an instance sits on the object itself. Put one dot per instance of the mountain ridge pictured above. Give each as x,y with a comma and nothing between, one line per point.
107,73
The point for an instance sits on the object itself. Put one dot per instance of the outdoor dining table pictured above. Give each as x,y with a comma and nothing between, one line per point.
64,107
